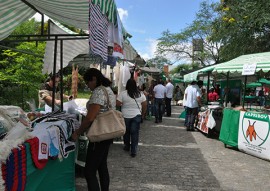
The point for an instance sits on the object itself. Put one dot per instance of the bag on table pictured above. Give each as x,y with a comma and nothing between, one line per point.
211,123
107,125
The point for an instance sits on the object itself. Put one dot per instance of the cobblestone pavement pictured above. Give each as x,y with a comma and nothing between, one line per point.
171,159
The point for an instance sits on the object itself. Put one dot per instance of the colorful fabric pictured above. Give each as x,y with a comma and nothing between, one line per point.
34,145
98,32
16,169
3,176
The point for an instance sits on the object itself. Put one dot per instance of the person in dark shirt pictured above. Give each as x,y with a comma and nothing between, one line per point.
46,91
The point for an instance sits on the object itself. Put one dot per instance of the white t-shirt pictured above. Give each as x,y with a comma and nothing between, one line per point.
129,107
159,91
169,90
192,93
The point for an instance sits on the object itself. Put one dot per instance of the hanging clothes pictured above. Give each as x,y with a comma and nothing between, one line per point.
125,74
98,31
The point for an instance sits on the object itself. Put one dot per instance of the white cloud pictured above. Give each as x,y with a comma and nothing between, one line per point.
123,14
149,50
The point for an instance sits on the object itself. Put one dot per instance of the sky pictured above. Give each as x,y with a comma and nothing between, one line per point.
145,20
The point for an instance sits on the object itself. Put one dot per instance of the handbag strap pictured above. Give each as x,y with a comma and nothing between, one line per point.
109,105
137,104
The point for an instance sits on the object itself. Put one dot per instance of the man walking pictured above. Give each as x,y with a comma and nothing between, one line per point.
160,93
193,101
168,99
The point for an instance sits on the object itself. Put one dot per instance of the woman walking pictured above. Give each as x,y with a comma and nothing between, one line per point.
133,106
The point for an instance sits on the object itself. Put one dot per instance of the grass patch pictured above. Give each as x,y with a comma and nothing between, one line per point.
84,94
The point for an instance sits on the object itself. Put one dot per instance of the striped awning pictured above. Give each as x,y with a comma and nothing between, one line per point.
71,12
193,75
71,48
12,13
236,65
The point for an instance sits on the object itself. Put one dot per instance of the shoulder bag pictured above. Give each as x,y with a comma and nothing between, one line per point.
107,125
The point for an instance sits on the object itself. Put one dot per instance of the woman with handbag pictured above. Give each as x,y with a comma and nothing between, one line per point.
133,106
97,153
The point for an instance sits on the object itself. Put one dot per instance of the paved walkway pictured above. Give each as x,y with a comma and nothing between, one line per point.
173,159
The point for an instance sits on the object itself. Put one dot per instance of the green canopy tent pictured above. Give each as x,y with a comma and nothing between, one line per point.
262,60
193,75
235,66
254,84
264,81
177,80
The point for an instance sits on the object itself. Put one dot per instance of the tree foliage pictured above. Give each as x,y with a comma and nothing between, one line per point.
243,28
183,69
180,44
158,62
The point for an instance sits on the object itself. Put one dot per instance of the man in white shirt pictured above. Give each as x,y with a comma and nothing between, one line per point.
193,101
160,94
168,99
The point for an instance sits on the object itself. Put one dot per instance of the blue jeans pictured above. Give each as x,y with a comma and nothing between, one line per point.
132,133
192,114
159,105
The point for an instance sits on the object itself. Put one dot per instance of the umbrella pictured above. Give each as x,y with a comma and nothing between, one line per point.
254,84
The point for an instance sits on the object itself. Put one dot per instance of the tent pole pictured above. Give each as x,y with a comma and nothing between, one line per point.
54,71
245,86
61,74
227,93
208,85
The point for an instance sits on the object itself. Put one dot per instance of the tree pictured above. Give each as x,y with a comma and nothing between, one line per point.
242,28
182,69
158,62
180,44
20,67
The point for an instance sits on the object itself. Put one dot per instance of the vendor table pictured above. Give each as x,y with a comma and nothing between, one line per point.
204,117
247,131
55,176
229,127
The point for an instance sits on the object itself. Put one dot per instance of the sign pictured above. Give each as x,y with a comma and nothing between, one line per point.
249,69
202,121
253,134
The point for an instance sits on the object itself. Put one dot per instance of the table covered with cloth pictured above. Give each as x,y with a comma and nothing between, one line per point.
248,131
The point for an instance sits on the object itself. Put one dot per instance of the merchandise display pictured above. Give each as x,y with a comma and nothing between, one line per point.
32,152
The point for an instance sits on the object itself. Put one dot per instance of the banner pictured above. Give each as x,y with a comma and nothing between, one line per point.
253,134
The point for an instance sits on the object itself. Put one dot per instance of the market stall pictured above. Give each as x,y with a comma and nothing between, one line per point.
247,131
209,110
36,154
209,119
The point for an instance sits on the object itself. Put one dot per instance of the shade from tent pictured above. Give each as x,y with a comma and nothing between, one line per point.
236,65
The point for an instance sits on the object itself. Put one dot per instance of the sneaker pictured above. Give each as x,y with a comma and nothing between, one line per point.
133,155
